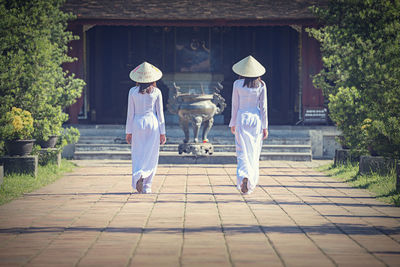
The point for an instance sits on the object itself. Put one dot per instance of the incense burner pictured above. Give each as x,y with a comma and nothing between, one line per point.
196,110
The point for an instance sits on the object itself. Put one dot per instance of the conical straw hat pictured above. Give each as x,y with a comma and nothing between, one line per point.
145,73
249,67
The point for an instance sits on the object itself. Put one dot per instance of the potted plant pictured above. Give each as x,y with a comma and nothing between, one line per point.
16,130
48,127
67,142
48,133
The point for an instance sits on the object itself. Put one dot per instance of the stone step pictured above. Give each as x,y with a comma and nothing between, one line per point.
272,140
168,157
320,139
108,142
174,147
214,140
175,131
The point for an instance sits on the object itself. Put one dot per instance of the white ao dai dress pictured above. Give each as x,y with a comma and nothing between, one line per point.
145,121
249,116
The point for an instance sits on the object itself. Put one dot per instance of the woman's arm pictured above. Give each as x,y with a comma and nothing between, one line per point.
235,107
129,117
160,117
264,110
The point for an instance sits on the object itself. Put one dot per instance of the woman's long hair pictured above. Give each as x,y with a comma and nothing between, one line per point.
146,88
251,82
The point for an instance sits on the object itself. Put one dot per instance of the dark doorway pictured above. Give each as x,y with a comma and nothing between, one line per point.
113,51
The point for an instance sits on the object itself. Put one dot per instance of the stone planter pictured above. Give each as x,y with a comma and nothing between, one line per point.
380,165
1,174
68,151
398,177
19,147
20,165
50,143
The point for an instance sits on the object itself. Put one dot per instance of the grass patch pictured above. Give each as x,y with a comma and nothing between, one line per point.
16,185
382,186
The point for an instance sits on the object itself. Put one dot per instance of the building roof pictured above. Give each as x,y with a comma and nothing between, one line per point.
193,9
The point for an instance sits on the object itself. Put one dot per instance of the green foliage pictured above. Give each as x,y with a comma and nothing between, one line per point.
360,44
2,148
342,111
49,156
36,149
69,136
47,126
16,124
33,47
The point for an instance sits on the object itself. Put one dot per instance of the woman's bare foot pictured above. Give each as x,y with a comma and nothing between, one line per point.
244,185
139,185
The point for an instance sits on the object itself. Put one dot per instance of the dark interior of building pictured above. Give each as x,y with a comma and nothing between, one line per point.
113,51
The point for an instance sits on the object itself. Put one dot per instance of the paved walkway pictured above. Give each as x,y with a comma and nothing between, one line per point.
196,217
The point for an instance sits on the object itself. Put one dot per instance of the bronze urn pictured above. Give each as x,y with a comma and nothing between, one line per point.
197,110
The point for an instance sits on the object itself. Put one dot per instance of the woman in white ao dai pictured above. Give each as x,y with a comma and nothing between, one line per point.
249,121
145,125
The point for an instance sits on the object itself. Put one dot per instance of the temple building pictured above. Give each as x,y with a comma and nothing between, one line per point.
193,41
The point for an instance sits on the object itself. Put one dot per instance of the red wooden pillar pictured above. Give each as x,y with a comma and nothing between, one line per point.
311,64
76,67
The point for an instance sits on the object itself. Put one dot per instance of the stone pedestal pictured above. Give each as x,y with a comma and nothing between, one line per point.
68,151
343,156
50,156
197,149
20,164
370,164
1,174
398,177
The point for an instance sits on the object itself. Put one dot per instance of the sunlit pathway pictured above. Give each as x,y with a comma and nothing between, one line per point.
196,217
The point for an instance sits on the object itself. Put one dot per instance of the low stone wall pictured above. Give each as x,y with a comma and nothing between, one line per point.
323,141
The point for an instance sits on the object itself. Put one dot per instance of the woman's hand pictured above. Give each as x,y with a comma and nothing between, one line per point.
233,129
163,139
265,134
128,138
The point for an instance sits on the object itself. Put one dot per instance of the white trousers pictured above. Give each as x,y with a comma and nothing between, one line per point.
248,140
145,149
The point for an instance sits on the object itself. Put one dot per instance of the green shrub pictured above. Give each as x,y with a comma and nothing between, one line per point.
360,44
47,125
344,111
70,135
33,47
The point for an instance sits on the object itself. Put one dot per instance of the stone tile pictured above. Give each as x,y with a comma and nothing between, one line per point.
356,259
297,216
155,261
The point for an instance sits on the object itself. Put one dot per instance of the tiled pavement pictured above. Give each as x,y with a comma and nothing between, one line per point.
196,217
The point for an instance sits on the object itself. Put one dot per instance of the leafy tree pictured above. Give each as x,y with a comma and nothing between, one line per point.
33,47
360,44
